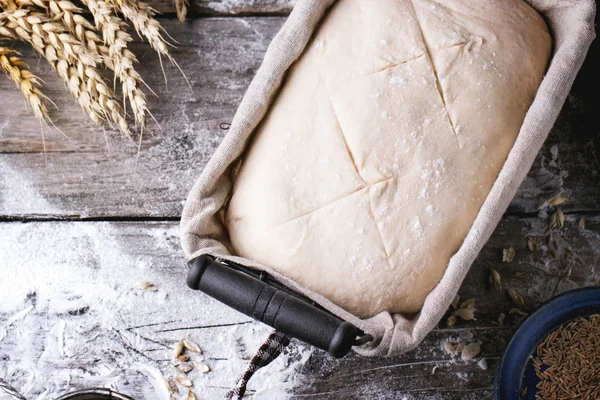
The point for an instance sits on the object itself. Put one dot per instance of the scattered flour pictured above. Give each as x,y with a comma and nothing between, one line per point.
18,195
230,6
70,316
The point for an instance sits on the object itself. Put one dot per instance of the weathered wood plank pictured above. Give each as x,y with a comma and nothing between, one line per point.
80,277
576,172
82,178
89,327
228,7
536,275
219,57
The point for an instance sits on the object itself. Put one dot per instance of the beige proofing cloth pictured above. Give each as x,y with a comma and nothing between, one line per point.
571,24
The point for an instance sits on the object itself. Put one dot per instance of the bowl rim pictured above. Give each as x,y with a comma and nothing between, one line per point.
107,393
559,315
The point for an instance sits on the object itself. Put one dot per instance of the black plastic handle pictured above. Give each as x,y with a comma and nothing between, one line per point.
276,307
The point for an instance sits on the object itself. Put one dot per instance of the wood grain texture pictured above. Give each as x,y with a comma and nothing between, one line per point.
97,177
85,178
228,7
538,276
112,257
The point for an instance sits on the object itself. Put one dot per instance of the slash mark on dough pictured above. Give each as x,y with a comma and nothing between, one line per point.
438,84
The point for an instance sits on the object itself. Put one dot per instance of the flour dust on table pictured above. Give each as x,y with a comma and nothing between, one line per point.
19,195
72,316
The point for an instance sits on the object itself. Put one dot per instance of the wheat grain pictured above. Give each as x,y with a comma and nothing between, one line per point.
8,5
28,83
73,62
181,6
567,361
29,3
184,381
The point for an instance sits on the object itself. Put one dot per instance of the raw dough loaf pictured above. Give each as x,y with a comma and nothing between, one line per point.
385,139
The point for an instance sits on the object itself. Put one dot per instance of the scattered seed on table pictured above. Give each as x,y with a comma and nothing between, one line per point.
466,314
147,286
508,255
449,347
483,364
201,366
178,349
470,351
556,201
170,385
451,321
495,279
184,381
184,367
468,303
532,244
516,297
191,346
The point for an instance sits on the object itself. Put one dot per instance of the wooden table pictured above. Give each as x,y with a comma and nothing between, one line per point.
81,226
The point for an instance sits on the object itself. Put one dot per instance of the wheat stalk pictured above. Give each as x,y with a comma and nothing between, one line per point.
74,63
28,83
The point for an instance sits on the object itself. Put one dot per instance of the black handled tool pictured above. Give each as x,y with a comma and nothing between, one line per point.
257,295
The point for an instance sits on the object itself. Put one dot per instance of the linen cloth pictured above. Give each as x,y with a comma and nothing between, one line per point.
571,24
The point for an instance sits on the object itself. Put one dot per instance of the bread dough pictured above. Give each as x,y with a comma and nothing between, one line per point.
369,169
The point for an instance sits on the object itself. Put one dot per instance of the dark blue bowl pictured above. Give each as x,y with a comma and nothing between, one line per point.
94,394
515,370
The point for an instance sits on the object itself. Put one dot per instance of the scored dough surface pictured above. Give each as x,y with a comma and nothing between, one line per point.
365,176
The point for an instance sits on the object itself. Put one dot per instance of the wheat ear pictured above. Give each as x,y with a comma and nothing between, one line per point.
123,60
141,16
28,83
75,65
115,56
78,26
181,6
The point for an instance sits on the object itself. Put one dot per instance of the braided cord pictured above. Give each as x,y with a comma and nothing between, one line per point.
267,352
